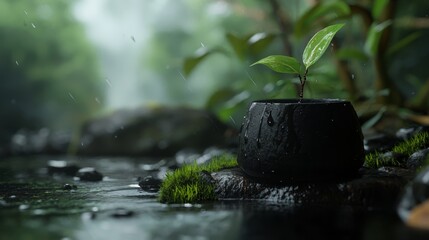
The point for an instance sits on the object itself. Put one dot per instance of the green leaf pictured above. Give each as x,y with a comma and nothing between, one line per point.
351,53
328,11
403,43
318,44
191,63
238,44
378,7
281,64
259,42
373,38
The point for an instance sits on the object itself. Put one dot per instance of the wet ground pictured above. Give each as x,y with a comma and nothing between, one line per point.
37,205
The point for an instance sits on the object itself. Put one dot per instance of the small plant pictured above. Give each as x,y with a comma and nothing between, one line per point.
312,52
185,184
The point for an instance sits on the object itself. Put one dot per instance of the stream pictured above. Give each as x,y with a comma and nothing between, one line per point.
36,205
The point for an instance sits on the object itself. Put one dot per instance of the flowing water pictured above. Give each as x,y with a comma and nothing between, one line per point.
34,205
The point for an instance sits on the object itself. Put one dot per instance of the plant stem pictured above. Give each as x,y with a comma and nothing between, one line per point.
302,80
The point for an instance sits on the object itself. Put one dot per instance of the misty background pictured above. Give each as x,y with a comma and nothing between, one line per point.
63,62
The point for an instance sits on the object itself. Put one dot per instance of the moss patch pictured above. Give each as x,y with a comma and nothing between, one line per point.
400,152
377,159
185,184
417,142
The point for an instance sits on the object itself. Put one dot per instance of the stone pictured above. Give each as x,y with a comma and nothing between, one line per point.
150,184
122,213
155,131
419,216
380,143
42,141
407,133
61,167
417,159
416,193
89,174
69,187
373,188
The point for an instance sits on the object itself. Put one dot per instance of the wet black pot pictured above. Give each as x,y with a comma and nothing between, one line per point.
301,141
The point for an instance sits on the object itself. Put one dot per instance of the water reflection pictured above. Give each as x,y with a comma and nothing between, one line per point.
91,211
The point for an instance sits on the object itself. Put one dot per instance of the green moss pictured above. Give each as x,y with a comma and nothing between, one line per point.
402,151
376,160
185,184
417,142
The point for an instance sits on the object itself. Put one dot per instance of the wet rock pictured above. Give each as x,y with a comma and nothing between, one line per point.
417,159
407,133
380,143
89,174
43,141
156,131
415,194
207,177
150,184
122,213
189,156
61,167
373,188
69,187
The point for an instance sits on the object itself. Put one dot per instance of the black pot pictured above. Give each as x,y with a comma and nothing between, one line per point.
307,140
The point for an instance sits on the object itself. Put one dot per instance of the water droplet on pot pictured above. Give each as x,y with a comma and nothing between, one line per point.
270,120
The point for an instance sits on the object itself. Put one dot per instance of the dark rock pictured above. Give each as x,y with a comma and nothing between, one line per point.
122,213
393,157
159,131
189,156
415,194
43,141
374,188
89,174
69,187
380,143
407,133
150,184
62,167
417,159
207,177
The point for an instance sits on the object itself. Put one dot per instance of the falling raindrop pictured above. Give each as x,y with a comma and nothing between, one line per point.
108,82
202,45
184,79
233,121
32,24
26,13
97,100
270,120
251,79
132,38
72,97
17,63
353,76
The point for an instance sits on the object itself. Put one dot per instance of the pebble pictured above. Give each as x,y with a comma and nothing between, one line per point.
122,213
89,174
62,168
150,184
69,187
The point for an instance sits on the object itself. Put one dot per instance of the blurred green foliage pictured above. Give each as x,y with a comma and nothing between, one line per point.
378,59
49,72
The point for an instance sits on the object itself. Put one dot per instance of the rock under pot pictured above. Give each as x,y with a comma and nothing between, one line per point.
307,140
